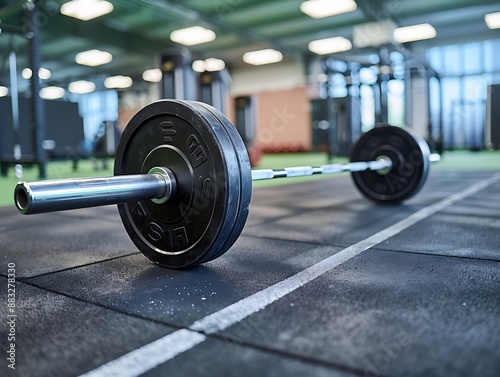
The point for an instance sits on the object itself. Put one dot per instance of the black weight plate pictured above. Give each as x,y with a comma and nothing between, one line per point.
232,212
409,154
245,180
199,219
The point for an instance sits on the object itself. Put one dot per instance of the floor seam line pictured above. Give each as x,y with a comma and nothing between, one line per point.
102,306
282,353
437,255
79,266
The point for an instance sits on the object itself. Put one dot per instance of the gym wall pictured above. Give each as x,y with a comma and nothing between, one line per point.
283,120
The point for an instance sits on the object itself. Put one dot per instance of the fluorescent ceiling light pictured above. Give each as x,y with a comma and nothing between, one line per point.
52,92
43,73
152,75
330,45
261,57
414,33
210,65
4,91
327,8
93,58
199,66
86,9
214,64
118,82
192,36
81,87
27,73
492,20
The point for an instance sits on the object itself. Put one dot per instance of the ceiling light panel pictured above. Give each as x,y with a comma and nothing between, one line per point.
414,33
199,66
327,8
81,87
493,20
214,64
152,75
210,65
261,57
4,91
118,82
43,73
52,92
86,9
26,73
93,58
330,45
192,36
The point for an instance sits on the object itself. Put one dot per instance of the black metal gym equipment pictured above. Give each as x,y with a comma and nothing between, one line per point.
30,30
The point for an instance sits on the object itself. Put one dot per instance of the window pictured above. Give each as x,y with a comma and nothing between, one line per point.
466,72
472,61
453,60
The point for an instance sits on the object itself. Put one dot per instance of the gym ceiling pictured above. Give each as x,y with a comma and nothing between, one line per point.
137,31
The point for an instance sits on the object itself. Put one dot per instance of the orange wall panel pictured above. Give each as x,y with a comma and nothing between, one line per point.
283,120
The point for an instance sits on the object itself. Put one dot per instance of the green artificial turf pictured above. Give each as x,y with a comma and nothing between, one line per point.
55,170
485,160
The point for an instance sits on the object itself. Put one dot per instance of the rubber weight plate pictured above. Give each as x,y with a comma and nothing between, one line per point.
409,154
199,219
245,179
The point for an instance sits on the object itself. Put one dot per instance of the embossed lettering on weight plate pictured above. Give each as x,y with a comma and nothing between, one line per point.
406,170
395,182
205,187
141,152
168,131
167,238
138,214
197,153
204,192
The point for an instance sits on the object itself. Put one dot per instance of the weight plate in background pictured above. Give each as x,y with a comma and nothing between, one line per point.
199,219
409,154
245,179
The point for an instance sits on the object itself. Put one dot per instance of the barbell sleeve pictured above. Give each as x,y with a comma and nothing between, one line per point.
435,157
64,194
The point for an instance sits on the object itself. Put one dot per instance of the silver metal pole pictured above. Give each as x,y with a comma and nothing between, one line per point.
65,194
435,157
382,164
158,185
14,96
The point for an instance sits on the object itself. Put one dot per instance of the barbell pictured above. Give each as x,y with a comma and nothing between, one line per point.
183,180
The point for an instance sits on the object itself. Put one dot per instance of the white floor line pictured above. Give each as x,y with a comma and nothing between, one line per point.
153,354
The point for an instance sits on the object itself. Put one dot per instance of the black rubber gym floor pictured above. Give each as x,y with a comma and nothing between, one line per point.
297,295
